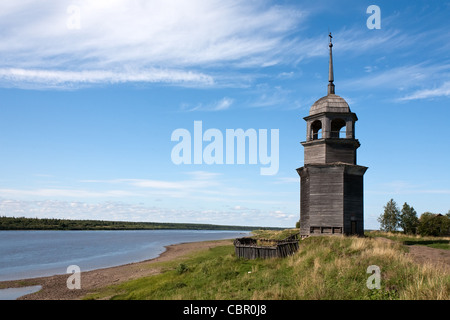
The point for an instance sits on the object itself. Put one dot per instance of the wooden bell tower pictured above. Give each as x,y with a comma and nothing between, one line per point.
331,183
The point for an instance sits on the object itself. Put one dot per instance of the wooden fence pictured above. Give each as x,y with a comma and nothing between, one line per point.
248,248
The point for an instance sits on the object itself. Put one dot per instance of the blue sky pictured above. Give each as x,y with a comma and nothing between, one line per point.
91,92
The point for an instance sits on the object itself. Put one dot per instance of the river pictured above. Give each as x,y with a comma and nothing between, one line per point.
31,254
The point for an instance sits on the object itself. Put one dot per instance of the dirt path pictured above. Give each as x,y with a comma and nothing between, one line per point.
55,287
423,254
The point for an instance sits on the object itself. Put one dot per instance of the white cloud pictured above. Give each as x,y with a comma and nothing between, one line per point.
239,208
120,211
283,180
65,79
223,104
401,187
220,105
402,78
117,37
65,193
280,215
285,75
269,96
203,175
198,180
442,91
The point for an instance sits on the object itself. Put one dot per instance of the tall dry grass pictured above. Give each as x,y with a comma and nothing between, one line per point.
323,268
336,268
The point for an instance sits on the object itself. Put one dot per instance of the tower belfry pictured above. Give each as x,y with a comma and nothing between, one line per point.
331,183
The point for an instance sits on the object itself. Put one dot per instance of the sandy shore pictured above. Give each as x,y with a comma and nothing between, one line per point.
55,287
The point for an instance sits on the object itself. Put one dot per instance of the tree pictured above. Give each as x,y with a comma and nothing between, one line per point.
389,220
408,219
431,224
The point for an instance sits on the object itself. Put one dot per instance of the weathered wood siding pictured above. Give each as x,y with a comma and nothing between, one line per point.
330,151
315,153
341,153
247,248
326,201
353,203
331,197
304,203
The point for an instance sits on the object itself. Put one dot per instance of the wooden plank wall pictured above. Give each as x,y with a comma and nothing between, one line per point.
246,248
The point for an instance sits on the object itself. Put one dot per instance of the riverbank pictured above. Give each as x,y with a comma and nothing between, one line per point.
324,268
55,287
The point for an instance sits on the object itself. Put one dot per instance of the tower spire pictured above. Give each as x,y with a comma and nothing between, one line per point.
330,71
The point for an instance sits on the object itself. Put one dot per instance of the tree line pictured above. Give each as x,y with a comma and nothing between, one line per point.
428,224
21,223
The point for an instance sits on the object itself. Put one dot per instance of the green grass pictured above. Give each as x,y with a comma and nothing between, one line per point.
323,268
274,235
432,242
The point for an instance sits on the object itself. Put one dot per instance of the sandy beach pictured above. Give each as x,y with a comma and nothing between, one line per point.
55,287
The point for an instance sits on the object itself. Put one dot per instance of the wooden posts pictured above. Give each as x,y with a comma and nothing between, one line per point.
248,248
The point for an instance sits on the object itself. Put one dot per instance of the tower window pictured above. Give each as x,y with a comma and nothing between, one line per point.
336,127
316,128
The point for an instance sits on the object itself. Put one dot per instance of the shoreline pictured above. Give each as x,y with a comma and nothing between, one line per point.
55,287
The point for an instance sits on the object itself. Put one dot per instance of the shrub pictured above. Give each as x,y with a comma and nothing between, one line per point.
433,225
182,268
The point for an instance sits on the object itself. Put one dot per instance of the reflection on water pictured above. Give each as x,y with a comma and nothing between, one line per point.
14,293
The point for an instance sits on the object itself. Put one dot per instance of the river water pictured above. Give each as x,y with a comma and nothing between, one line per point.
31,254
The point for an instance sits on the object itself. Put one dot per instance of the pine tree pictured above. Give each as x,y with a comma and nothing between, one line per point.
408,219
390,219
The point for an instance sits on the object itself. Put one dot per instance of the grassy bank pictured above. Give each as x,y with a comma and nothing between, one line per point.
323,268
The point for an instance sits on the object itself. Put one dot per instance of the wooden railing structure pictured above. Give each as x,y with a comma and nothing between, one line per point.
249,248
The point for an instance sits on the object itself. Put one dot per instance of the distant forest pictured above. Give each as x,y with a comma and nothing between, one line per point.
12,223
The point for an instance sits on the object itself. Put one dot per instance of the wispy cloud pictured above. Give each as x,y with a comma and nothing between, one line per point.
442,91
65,79
208,188
220,105
197,183
223,104
170,38
191,184
64,193
283,180
406,78
400,187
120,211
279,214
270,96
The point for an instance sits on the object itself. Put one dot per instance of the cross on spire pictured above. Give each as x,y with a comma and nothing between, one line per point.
330,70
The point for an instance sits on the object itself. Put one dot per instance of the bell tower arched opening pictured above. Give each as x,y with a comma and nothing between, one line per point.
336,127
316,130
